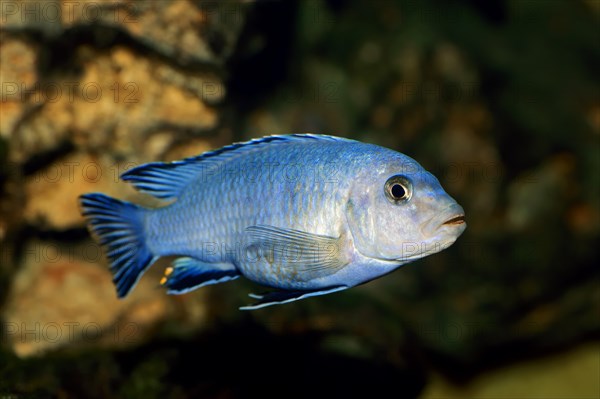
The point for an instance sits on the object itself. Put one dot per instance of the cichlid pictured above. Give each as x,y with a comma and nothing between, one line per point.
304,214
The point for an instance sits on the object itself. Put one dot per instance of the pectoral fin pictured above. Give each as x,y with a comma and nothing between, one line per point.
310,254
279,297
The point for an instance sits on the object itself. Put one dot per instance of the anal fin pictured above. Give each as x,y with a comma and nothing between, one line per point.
280,297
187,274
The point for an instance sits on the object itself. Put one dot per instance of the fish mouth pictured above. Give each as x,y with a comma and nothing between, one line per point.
455,220
452,217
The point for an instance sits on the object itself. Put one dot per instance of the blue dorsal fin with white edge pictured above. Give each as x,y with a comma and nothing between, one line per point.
166,180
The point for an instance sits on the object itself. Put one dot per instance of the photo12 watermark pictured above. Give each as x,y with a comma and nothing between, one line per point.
68,12
67,332
226,12
52,252
70,91
250,172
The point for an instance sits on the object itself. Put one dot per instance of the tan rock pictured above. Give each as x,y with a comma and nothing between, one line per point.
18,64
188,149
52,193
18,78
112,106
64,296
10,113
174,28
157,143
178,29
43,16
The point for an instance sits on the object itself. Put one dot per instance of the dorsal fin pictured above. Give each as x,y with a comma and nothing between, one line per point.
166,180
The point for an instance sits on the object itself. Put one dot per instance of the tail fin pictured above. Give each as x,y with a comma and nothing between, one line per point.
118,225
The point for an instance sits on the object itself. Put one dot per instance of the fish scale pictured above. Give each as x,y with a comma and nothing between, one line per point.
304,214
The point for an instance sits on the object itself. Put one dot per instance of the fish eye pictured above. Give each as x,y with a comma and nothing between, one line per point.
398,189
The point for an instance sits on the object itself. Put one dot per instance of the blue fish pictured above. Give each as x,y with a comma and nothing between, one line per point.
304,214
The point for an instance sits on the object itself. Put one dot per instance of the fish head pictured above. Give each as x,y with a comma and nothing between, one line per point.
397,211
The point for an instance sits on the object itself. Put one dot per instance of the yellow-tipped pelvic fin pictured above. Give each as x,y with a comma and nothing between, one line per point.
187,274
168,272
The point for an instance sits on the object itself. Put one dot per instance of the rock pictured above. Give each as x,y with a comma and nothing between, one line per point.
32,15
158,143
18,76
63,295
573,374
181,30
119,98
142,82
189,149
52,193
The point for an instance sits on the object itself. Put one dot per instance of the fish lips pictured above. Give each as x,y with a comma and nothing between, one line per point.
451,218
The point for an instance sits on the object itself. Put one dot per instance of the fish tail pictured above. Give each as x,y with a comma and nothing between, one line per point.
119,228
